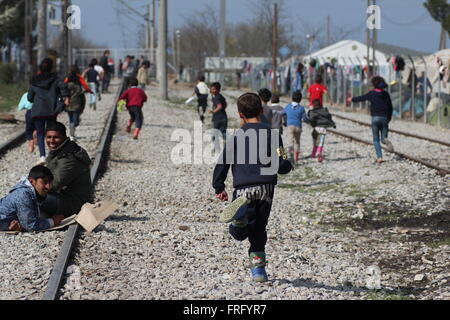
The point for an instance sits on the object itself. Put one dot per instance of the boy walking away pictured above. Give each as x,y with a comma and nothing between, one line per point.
317,90
381,112
219,118
202,92
254,187
91,75
320,119
76,84
143,75
135,99
295,114
277,113
19,210
266,117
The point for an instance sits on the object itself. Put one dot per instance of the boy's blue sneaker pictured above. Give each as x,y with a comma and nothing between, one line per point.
232,211
258,263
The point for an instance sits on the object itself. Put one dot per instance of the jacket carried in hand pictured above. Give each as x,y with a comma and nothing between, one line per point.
321,118
72,184
46,92
22,204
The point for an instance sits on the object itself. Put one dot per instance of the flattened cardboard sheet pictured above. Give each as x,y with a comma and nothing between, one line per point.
91,215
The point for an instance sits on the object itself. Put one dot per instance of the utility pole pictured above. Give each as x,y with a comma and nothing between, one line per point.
178,61
162,50
222,35
328,30
374,44
152,34
147,27
28,40
443,39
275,45
368,43
42,31
64,38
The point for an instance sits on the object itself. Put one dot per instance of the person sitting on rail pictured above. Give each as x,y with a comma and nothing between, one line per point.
19,210
381,111
253,181
320,119
70,164
135,98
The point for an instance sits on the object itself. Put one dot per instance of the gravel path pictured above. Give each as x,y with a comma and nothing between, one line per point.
26,259
330,222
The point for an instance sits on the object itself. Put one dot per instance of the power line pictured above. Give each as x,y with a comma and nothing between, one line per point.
420,19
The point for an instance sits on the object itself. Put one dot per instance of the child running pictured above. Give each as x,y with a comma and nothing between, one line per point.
254,182
381,112
219,118
320,119
202,93
135,98
295,114
91,75
317,90
76,84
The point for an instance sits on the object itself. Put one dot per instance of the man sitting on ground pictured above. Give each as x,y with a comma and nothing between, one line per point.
70,164
19,210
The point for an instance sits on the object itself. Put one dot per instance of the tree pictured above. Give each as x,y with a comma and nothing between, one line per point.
11,20
440,11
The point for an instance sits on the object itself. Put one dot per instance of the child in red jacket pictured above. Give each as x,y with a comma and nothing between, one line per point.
135,99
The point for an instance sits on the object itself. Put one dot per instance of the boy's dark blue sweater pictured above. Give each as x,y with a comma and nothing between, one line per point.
380,103
249,172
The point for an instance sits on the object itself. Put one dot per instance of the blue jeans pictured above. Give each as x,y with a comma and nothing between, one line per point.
40,125
74,118
380,125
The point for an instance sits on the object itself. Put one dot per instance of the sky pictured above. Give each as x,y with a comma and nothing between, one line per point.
405,23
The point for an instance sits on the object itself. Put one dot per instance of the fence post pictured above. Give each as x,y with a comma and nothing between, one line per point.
413,89
351,82
425,89
439,97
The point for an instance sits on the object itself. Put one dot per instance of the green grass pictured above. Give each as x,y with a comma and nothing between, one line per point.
438,243
10,95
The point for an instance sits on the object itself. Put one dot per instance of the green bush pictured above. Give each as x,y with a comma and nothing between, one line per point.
8,73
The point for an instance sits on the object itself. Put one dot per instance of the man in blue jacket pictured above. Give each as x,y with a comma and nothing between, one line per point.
19,210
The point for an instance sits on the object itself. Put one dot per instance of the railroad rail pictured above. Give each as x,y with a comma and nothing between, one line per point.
394,131
441,171
15,141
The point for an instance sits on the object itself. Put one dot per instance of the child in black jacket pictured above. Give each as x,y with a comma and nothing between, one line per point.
254,178
320,119
381,112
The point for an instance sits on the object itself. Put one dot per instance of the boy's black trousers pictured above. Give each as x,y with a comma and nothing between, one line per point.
258,212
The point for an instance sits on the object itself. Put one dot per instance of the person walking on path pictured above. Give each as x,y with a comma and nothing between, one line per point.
317,90
253,187
135,98
295,114
277,113
129,71
265,95
320,119
77,86
143,75
381,112
49,94
219,114
202,92
91,76
104,63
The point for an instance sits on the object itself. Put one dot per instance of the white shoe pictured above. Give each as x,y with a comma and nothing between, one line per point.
389,145
41,161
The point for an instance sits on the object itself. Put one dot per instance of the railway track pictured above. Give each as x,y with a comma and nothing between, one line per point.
58,270
430,164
